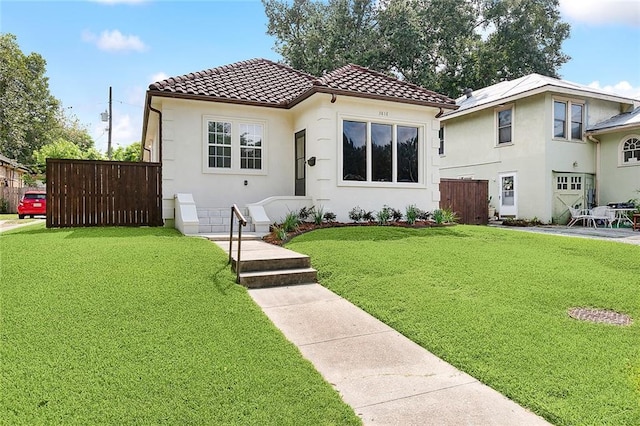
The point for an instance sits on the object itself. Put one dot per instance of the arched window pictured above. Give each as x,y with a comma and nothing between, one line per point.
631,150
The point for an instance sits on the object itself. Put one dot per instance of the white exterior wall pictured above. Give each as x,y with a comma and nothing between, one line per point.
621,182
322,121
184,155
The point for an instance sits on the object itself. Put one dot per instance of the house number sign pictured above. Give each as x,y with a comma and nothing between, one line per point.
384,113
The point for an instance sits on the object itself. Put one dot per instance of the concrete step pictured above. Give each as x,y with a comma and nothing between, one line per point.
283,277
273,264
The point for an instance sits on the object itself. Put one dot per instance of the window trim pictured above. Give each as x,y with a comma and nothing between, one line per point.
569,103
621,162
422,179
441,150
497,112
235,122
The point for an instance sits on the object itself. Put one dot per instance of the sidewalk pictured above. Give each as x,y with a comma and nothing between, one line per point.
385,377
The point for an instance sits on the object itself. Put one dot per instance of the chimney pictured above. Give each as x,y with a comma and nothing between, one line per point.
469,92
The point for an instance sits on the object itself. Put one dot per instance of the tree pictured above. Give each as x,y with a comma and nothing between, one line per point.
444,45
130,153
317,36
27,109
63,148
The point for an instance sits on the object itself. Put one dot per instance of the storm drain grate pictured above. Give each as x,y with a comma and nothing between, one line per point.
600,315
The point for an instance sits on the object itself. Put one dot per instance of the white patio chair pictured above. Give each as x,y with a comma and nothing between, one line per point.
578,214
603,213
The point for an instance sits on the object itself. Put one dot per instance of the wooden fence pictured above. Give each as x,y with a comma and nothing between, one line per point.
468,198
103,193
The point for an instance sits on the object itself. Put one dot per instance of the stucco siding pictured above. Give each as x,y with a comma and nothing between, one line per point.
621,182
322,120
184,155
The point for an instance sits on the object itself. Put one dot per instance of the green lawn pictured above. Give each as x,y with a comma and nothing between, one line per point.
494,303
142,326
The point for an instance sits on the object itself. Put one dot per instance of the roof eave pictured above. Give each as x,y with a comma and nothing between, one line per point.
332,91
539,90
613,129
209,98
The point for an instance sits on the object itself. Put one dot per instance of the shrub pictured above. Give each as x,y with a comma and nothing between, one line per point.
305,212
368,216
356,214
291,222
329,217
412,212
424,215
396,214
438,216
318,215
4,205
384,215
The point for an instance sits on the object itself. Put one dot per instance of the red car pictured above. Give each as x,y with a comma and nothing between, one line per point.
32,203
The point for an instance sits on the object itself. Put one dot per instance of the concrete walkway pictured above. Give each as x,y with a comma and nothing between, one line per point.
385,377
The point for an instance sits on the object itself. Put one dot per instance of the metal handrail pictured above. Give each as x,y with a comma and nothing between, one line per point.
241,222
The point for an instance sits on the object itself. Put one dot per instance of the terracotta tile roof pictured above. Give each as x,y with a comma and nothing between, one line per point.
361,81
263,82
257,81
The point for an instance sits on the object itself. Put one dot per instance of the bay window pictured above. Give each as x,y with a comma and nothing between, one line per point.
379,152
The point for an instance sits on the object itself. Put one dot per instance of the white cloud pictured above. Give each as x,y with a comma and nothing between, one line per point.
602,12
158,77
114,41
622,88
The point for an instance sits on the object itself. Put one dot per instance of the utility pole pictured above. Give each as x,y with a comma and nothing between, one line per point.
110,122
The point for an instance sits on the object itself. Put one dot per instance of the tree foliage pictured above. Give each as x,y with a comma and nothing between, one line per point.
27,109
129,153
63,148
30,117
444,45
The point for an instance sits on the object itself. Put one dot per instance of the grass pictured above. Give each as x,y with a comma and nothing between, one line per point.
494,304
143,326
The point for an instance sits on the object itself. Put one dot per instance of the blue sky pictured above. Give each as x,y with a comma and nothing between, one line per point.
127,44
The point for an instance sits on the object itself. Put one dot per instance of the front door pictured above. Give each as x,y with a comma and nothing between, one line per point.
300,163
508,195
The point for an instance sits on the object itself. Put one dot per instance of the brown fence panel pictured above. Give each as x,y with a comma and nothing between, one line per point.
103,193
468,198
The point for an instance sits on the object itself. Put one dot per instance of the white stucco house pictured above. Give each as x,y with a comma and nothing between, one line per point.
272,139
537,141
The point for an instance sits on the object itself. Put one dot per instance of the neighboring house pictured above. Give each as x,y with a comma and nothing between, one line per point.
268,137
11,183
618,156
528,138
11,173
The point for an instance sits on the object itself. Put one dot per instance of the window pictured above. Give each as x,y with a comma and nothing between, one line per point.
219,144
504,126
251,146
576,183
563,125
631,151
441,137
576,121
234,147
379,152
563,182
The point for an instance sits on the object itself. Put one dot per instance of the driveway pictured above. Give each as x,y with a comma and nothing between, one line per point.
6,225
623,235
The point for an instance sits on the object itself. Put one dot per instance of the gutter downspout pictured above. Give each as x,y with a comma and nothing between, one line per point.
597,142
157,111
